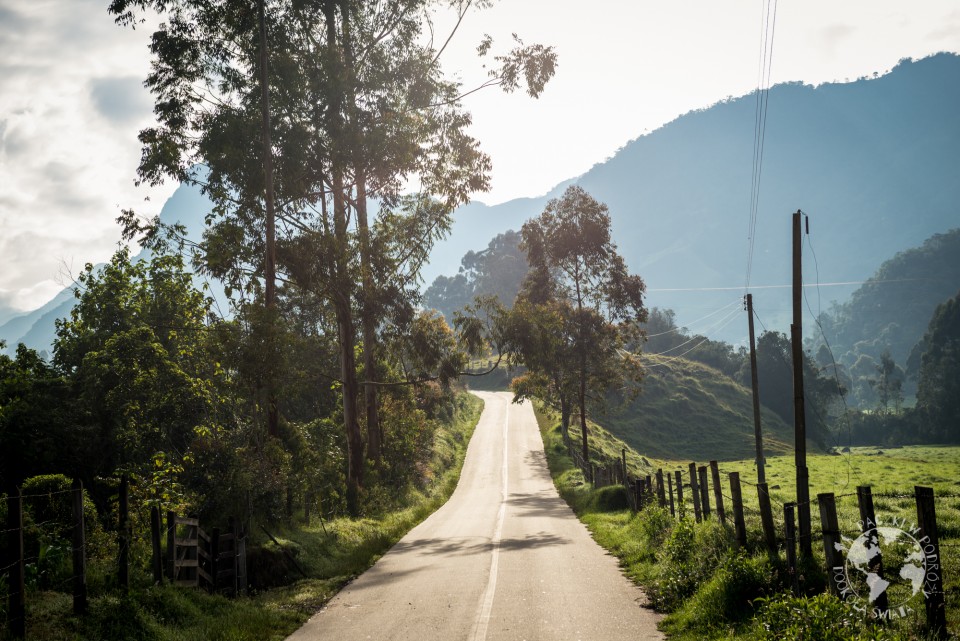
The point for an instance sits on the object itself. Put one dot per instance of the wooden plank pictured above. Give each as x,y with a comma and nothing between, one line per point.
79,548
717,490
868,523
933,578
766,518
155,544
16,588
183,520
738,522
833,558
680,506
791,544
704,492
695,491
186,563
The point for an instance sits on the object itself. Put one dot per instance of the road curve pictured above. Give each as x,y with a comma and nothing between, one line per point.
504,559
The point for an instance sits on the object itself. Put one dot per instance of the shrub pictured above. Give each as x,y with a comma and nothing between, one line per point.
820,618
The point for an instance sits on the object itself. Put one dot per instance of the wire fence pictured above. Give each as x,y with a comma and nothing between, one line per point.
693,495
53,541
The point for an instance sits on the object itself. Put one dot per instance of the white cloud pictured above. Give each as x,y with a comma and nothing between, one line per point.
71,104
71,100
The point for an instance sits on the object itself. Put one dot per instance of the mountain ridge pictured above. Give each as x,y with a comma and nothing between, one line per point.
860,158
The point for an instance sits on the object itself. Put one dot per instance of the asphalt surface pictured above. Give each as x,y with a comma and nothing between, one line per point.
504,559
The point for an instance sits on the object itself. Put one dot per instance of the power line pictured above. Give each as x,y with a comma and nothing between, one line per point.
680,328
768,21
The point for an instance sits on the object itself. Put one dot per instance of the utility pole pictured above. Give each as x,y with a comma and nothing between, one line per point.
799,416
758,435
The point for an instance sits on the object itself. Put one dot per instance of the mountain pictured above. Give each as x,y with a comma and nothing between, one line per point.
874,163
37,329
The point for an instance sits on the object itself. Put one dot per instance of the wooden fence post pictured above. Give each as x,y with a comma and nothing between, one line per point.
171,545
155,545
680,506
717,490
704,492
124,523
766,518
673,512
215,559
739,525
661,492
791,540
79,552
16,610
868,522
833,558
933,579
638,493
694,491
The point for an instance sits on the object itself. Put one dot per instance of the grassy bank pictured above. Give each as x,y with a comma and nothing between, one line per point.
331,553
709,589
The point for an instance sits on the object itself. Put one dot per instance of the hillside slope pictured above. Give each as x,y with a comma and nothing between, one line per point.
691,411
873,162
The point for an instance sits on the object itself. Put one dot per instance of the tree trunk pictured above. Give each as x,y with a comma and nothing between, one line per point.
582,399
367,319
343,292
270,260
374,434
565,417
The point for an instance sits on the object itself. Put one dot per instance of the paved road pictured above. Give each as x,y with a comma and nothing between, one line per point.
504,559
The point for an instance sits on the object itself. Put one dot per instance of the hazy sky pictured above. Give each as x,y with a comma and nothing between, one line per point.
71,99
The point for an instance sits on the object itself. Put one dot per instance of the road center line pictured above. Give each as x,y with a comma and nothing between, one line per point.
486,604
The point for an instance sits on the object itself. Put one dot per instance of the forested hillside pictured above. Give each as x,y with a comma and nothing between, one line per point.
890,314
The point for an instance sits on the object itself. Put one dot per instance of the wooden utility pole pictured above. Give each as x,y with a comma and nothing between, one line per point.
799,417
758,435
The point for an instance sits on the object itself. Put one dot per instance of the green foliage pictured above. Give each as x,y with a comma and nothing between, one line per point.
495,271
820,618
891,311
726,597
775,371
136,352
38,431
938,397
577,311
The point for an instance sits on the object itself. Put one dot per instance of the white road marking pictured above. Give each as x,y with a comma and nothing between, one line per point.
486,604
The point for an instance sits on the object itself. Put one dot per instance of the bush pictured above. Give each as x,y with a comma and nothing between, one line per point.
611,498
727,597
688,558
820,618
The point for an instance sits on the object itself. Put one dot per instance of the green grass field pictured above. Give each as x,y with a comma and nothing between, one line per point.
710,611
